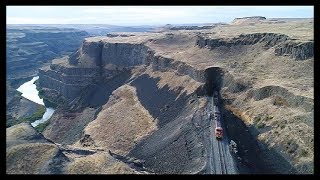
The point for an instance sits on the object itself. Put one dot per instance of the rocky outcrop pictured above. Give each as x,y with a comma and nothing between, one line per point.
268,39
190,27
92,62
67,82
252,17
248,20
98,60
28,152
161,63
124,54
119,35
298,51
291,99
107,60
283,44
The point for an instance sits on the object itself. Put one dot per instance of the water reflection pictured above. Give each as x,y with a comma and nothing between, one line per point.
29,91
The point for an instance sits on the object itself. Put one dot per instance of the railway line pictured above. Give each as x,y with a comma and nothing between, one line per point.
220,160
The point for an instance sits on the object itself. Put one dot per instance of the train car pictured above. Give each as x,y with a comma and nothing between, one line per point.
218,130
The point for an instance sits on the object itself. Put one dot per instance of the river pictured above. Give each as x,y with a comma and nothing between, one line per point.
29,91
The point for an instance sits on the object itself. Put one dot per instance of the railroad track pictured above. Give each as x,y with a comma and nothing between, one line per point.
222,159
220,148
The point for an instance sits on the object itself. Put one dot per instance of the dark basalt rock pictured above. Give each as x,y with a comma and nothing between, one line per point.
284,46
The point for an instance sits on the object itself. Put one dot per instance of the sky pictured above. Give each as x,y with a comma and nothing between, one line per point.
147,15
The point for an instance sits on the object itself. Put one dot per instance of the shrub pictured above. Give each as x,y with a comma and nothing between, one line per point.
35,116
49,103
42,126
258,118
261,125
303,153
268,117
41,93
279,101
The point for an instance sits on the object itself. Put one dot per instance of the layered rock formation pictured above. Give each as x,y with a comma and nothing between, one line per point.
93,62
283,45
27,49
30,47
97,60
296,50
146,94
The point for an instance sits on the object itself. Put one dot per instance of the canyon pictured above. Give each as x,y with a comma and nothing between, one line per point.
137,102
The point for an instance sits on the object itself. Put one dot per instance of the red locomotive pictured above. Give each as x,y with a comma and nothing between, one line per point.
218,130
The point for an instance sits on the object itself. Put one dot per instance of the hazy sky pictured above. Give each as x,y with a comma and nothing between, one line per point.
147,15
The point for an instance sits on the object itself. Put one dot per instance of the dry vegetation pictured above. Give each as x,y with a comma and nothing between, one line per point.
175,81
98,163
25,157
289,130
122,122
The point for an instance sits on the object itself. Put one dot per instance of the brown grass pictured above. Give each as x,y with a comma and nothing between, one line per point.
99,163
279,101
122,122
29,158
175,81
240,114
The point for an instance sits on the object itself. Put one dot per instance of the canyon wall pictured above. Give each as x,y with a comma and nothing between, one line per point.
95,70
284,46
96,61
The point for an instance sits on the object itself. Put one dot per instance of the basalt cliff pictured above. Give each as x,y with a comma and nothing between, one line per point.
136,103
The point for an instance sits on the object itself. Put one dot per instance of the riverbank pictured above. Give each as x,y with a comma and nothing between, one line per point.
27,106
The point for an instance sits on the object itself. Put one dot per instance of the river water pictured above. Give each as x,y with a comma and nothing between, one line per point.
29,91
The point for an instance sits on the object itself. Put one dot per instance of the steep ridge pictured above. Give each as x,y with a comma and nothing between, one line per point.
96,61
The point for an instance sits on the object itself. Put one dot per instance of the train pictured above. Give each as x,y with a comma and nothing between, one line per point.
218,129
217,118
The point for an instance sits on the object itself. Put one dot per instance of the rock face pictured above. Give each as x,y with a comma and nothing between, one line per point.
190,27
98,60
298,51
283,45
30,47
248,20
66,83
252,17
268,39
124,54
102,54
